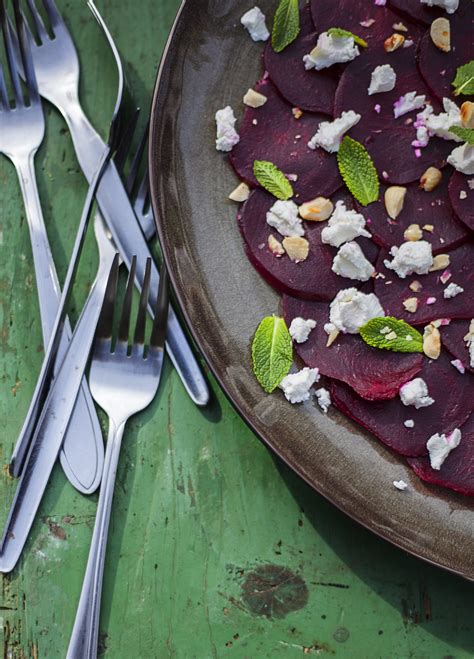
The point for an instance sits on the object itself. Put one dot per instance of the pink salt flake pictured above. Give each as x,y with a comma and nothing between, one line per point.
457,363
377,108
431,300
384,175
444,321
445,277
380,3
417,153
367,23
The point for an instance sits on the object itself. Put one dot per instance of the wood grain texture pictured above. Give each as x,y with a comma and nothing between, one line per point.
215,548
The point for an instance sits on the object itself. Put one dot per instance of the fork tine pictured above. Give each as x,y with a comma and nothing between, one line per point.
104,325
124,325
137,159
3,91
53,13
139,336
25,50
11,59
160,323
38,21
125,143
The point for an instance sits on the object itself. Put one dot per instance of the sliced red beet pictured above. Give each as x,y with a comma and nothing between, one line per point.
452,336
453,394
457,471
373,374
439,68
389,140
308,90
392,295
419,207
280,138
416,11
462,198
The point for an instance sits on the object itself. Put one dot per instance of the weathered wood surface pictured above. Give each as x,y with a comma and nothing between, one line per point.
215,549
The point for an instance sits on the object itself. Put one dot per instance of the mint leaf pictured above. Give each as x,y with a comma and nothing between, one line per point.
340,33
466,134
272,179
388,333
358,171
286,24
272,352
463,83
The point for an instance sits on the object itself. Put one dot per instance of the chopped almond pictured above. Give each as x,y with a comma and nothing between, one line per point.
440,32
275,246
415,286
394,199
467,114
241,193
394,42
440,262
317,210
254,99
413,233
430,179
432,342
411,304
332,337
297,248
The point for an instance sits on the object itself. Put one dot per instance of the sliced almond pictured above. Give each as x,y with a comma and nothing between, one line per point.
275,246
440,262
440,32
413,232
432,342
411,304
393,43
332,337
241,193
467,114
430,179
317,210
400,27
394,199
415,286
296,247
428,227
254,99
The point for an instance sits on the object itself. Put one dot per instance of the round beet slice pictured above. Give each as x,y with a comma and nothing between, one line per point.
308,90
453,394
416,11
280,138
452,336
373,374
462,198
438,68
421,208
392,290
311,279
389,140
457,471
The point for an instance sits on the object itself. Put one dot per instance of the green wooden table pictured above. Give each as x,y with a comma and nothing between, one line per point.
215,548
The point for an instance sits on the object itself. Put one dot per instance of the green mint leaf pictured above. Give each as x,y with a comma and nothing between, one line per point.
339,32
463,83
272,352
466,134
286,24
358,171
388,333
272,179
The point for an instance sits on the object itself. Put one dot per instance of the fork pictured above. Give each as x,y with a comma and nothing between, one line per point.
122,382
21,133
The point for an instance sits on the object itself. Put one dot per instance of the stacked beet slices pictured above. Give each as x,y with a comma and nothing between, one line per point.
364,382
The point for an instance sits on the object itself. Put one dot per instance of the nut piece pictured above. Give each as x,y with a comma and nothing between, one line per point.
332,337
400,27
411,304
440,32
413,232
318,209
467,114
254,99
297,248
440,262
430,179
297,113
432,342
275,246
394,200
428,227
241,193
393,43
415,286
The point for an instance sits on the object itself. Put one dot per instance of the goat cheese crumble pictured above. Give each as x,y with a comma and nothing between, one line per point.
400,485
351,309
296,386
415,392
300,329
408,102
227,136
440,446
324,399
350,262
383,79
452,290
330,50
283,216
254,22
412,257
428,124
449,6
462,159
330,133
409,423
343,225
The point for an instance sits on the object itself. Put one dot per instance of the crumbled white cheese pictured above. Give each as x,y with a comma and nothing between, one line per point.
469,340
462,159
458,365
330,50
254,21
296,386
283,216
383,79
452,290
411,257
343,225
449,6
324,399
440,446
415,392
350,262
439,124
227,136
408,102
330,133
329,328
400,485
300,329
351,309
409,423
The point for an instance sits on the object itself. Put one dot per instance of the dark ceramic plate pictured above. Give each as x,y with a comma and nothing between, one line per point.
210,62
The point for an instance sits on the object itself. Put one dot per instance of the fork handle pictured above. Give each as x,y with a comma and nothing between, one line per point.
85,633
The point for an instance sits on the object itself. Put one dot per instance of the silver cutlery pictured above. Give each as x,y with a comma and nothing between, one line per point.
123,382
21,134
